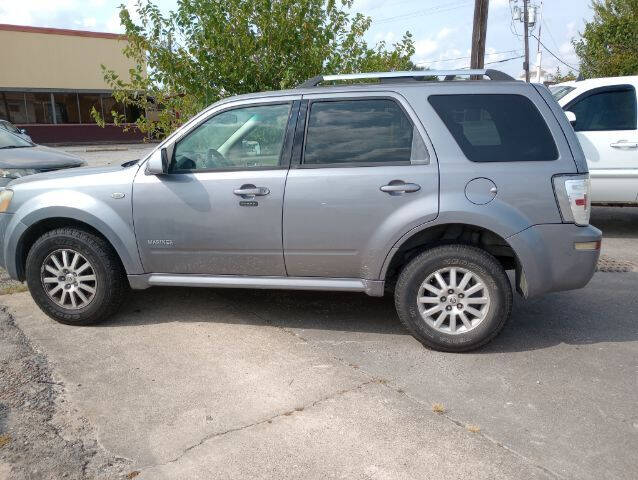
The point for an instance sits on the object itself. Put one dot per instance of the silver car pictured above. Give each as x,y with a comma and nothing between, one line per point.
430,190
20,157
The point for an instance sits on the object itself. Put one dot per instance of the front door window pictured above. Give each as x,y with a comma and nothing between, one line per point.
241,138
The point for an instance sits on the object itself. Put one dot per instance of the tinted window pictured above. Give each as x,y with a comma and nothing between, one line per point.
243,137
12,107
39,107
606,110
88,101
363,131
66,108
496,128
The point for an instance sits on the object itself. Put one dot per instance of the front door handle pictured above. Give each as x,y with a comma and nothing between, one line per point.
250,190
624,144
397,187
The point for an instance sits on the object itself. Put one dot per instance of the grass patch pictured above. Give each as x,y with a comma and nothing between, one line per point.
4,440
17,288
473,428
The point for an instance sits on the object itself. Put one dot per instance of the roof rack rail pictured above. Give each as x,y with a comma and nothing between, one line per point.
408,75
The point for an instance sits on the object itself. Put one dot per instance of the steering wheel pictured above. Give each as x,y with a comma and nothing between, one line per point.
216,159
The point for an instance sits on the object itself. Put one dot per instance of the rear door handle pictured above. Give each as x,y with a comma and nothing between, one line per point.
398,186
251,191
624,144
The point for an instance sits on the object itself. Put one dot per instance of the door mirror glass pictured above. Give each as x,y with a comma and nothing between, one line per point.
571,116
158,163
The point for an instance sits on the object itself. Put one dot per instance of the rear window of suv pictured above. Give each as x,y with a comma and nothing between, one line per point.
496,128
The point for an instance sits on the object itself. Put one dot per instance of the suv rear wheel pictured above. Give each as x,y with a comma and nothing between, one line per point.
454,298
75,276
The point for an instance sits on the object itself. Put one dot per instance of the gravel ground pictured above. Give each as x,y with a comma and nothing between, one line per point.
33,416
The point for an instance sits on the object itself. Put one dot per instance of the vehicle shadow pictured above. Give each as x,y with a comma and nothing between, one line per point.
605,311
616,222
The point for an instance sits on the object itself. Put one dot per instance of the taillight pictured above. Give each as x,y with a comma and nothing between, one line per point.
573,195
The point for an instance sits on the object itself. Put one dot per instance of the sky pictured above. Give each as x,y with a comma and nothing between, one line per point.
441,29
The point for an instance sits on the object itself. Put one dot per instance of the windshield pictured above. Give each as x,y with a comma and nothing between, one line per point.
560,91
9,140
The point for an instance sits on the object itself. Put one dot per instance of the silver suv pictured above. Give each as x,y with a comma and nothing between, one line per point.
428,187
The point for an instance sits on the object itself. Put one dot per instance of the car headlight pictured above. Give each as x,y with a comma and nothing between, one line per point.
5,200
16,172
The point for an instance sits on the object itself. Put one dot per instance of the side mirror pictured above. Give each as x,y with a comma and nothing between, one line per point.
23,130
158,163
571,116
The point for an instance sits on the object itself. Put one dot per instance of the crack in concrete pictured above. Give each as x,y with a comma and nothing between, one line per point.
261,422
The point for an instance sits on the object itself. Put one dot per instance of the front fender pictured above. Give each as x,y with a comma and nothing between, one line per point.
111,217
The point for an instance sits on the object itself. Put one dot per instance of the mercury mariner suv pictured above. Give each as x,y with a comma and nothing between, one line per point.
428,187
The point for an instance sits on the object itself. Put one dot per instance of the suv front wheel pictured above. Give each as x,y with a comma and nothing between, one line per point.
75,276
453,298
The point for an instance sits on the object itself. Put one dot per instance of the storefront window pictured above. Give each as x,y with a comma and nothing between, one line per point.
133,112
39,108
66,108
87,102
12,107
109,105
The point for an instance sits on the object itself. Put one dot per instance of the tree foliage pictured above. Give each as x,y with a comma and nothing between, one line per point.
209,49
559,77
609,43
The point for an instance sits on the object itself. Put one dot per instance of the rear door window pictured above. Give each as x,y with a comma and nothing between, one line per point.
361,132
496,128
613,108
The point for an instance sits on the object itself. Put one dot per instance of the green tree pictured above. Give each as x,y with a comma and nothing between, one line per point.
559,77
609,43
209,49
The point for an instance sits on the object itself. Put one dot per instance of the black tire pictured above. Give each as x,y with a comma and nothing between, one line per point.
111,286
466,257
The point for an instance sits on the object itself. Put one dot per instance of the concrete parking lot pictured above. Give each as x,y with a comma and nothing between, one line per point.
199,384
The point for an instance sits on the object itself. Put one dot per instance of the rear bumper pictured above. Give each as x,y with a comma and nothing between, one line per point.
549,261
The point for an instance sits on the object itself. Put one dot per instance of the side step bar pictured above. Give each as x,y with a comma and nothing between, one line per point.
371,287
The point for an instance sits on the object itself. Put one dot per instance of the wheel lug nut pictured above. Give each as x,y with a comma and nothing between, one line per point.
443,299
461,295
448,308
67,286
460,305
450,291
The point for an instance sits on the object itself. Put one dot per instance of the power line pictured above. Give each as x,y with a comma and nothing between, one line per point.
505,60
424,62
554,55
419,13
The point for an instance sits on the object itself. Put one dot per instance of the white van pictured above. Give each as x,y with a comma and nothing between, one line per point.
605,124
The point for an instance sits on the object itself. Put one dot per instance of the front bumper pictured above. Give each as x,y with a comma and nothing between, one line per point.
549,260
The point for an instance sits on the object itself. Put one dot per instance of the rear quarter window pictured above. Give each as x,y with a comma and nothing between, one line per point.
496,127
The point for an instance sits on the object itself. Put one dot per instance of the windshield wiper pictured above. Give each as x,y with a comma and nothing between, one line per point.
14,146
130,163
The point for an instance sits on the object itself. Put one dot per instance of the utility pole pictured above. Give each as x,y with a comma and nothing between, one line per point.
479,31
539,52
526,34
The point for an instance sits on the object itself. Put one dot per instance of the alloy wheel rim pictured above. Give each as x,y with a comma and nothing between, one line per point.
453,300
69,279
